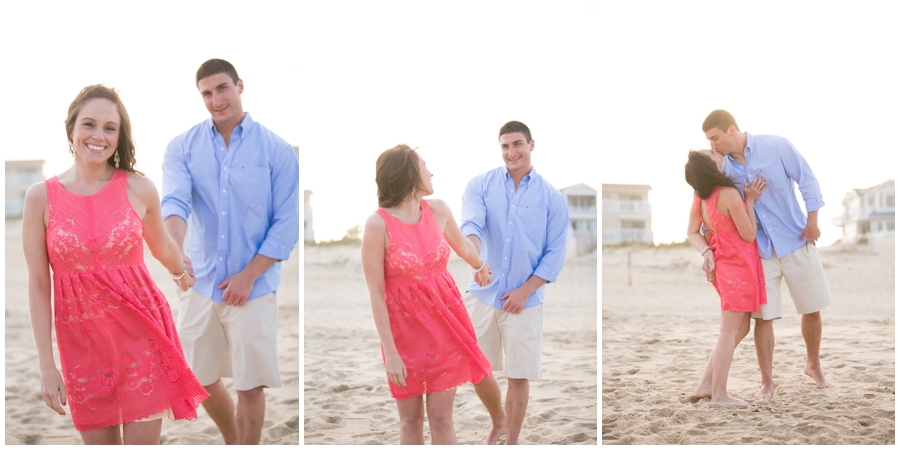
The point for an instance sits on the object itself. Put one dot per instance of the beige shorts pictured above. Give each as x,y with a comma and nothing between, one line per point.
805,277
237,342
518,336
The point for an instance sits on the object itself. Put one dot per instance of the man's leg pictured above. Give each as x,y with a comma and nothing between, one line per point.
251,411
811,327
516,404
220,408
489,393
764,340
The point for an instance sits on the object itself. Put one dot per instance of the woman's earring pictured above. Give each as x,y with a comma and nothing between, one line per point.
117,159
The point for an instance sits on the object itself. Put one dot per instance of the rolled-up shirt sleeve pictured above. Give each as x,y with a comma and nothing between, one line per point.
474,211
796,167
177,181
554,256
282,236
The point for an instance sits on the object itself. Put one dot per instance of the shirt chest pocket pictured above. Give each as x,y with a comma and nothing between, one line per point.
777,180
533,222
253,188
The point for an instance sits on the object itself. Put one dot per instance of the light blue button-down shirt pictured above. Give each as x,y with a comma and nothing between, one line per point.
244,199
779,218
523,232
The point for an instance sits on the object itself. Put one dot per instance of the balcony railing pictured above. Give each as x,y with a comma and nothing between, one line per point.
626,206
614,236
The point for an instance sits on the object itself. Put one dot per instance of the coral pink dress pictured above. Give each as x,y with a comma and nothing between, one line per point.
740,280
121,357
429,322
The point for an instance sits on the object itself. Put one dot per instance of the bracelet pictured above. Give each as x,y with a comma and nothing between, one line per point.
704,251
479,269
181,275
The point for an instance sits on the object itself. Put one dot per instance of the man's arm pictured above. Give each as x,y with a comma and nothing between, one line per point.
796,167
175,205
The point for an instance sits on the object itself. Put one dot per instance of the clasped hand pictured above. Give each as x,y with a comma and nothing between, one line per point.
484,276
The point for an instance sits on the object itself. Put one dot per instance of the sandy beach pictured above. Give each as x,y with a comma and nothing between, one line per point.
346,397
30,421
658,332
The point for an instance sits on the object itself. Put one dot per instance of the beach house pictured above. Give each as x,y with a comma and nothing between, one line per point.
308,233
581,201
20,175
626,213
868,213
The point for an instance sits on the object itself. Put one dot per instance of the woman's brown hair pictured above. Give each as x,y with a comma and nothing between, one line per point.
397,175
125,146
702,174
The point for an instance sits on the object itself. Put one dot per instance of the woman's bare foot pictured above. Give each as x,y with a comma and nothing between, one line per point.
494,436
765,392
703,390
817,375
727,400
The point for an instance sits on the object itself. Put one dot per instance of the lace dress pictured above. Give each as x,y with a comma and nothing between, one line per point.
429,322
740,280
121,357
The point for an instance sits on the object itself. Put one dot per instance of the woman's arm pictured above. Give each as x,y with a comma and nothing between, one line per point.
464,248
34,243
374,246
698,240
161,245
744,218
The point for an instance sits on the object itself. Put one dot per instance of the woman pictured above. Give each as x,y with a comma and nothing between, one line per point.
428,343
732,252
121,359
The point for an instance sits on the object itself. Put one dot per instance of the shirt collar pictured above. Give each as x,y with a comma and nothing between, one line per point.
527,176
748,148
247,123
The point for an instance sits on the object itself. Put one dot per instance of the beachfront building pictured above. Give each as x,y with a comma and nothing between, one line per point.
626,213
868,213
308,234
581,201
20,175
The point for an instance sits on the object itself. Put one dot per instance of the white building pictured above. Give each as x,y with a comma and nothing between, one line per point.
581,201
308,233
868,213
626,213
20,175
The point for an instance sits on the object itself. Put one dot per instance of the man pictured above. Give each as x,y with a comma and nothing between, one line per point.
238,183
519,224
785,237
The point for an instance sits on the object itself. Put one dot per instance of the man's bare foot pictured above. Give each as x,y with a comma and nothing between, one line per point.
727,400
817,375
494,436
703,390
765,392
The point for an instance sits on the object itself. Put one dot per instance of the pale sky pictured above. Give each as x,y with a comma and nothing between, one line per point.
444,77
823,77
150,52
614,92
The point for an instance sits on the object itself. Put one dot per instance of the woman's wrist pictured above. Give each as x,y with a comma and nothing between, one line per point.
480,268
178,276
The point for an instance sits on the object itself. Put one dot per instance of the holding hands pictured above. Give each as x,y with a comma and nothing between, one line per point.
483,274
185,279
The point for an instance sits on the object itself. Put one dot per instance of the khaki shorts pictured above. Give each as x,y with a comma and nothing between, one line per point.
237,342
805,277
516,335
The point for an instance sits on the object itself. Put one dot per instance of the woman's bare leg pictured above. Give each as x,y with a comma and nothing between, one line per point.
103,436
440,416
142,433
734,325
704,389
412,416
